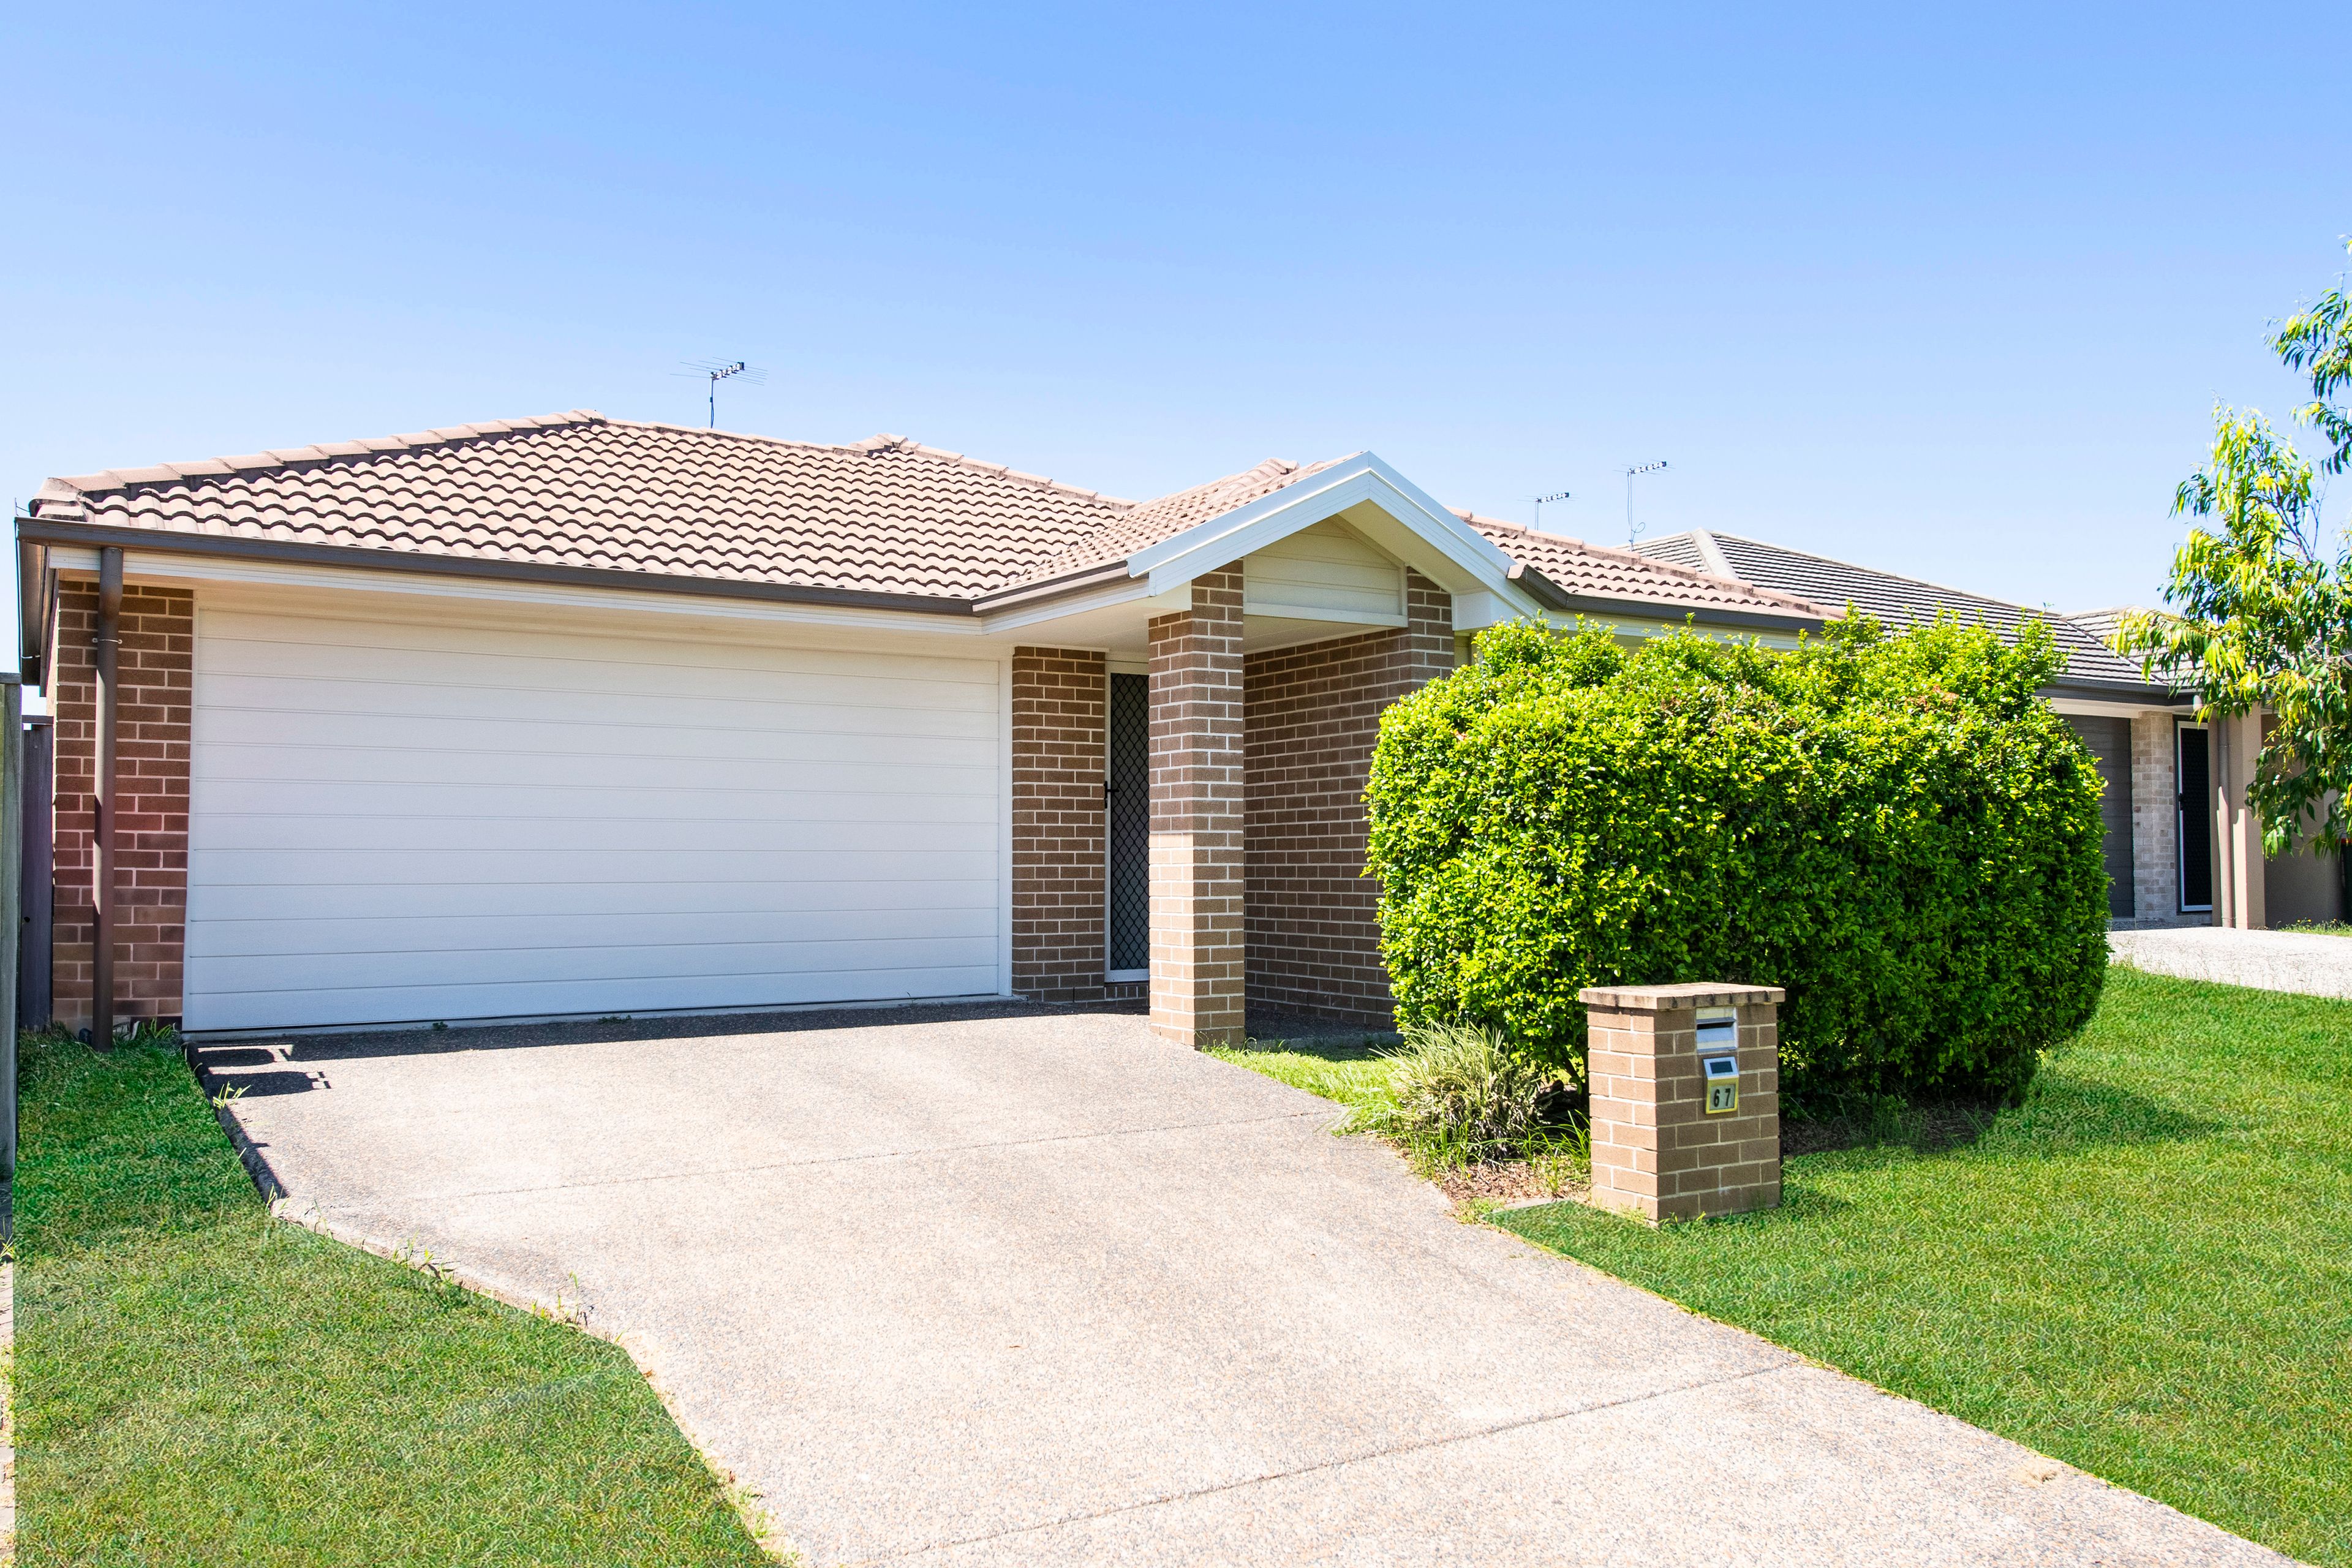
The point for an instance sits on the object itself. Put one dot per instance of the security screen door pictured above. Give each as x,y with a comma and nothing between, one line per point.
1128,804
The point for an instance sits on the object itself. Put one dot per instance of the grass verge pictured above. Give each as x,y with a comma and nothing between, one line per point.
1557,1160
199,1383
2146,1270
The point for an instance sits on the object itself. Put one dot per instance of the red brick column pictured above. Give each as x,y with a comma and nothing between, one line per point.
1657,1151
157,664
1313,713
1059,700
1196,816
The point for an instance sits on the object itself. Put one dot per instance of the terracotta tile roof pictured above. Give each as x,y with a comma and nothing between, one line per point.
578,490
1598,571
885,515
1898,601
1154,520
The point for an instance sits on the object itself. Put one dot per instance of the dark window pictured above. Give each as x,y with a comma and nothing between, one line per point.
1128,803
2196,775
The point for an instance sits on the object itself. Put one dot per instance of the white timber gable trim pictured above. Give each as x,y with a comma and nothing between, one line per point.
1380,503
1326,572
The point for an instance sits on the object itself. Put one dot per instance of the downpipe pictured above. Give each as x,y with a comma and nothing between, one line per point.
102,887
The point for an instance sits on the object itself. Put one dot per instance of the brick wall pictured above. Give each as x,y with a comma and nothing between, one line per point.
1657,1151
1058,718
1197,816
156,664
2156,824
1313,713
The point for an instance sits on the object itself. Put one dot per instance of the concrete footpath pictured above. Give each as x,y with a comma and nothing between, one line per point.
2301,962
1007,1285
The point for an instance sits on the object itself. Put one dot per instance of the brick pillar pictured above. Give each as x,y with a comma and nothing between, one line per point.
2238,891
1657,1151
1197,817
1058,715
150,821
1313,714
2156,828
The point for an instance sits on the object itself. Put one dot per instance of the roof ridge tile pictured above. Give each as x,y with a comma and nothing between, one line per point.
106,480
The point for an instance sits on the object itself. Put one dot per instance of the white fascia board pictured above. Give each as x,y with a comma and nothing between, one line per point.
1226,538
169,566
1037,612
2094,710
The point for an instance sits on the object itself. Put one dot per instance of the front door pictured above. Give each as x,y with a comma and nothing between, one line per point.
1128,803
2196,778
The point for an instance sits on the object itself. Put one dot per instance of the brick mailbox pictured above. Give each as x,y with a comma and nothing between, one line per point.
1686,1098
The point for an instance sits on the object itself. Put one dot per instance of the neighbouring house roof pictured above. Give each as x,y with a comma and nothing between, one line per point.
885,520
1599,572
1898,601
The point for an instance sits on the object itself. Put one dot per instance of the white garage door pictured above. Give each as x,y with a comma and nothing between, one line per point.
402,822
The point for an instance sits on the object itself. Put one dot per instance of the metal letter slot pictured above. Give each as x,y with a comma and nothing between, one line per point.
1718,1058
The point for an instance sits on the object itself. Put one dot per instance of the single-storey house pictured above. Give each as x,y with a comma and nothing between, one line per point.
2182,846
581,716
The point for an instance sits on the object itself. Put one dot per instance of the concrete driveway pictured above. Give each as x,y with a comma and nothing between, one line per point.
2310,962
1013,1286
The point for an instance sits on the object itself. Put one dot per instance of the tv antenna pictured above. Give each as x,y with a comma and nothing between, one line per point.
1632,533
1555,495
715,371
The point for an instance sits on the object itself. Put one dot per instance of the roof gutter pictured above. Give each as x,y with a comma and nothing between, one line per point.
1552,596
1078,581
2121,692
51,531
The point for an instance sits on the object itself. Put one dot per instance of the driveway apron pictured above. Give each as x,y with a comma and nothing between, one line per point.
1000,1285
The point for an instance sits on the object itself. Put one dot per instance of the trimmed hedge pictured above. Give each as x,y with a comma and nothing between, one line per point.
1894,828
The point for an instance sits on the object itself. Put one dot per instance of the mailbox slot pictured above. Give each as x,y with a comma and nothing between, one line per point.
1718,1058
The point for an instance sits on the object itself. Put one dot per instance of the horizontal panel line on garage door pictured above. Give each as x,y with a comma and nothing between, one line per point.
623,682
207,745
650,832
408,699
987,906
215,903
658,799
357,885
984,973
660,724
213,937
563,786
525,950
441,643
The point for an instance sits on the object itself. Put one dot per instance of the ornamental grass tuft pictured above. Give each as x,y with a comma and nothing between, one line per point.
1460,1094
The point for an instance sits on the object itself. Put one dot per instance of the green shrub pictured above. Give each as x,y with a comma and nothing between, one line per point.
1894,828
1459,1094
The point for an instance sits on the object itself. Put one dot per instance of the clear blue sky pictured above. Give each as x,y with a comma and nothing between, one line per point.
1950,290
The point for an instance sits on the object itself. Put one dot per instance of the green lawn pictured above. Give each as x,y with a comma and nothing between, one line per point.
2145,1271
200,1384
1355,1076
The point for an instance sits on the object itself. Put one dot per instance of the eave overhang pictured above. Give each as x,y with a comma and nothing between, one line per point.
52,530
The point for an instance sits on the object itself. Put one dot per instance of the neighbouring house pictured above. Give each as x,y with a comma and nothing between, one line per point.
2182,847
579,716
